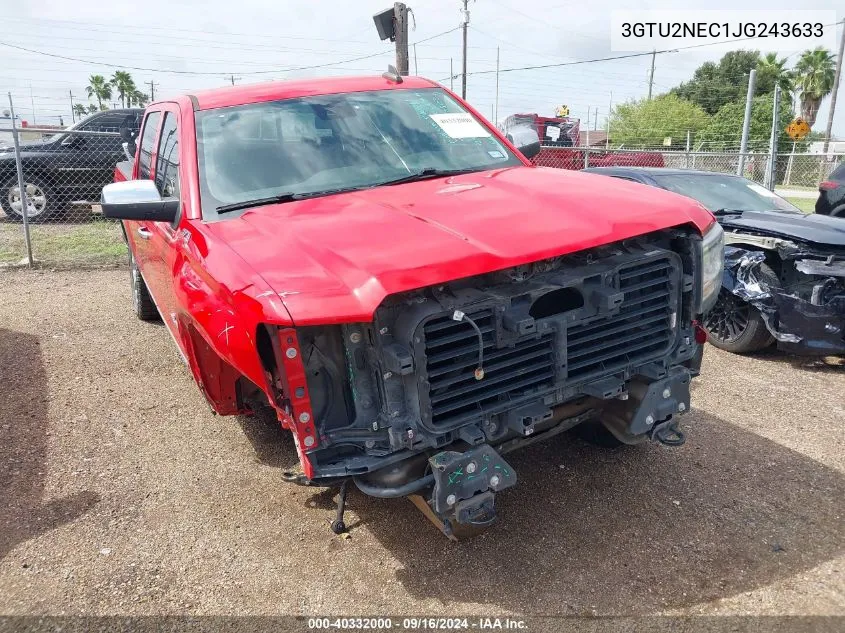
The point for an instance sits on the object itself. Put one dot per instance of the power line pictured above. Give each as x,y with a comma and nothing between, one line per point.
210,73
145,29
186,72
614,58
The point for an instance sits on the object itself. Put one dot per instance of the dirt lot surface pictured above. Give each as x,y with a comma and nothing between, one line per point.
120,493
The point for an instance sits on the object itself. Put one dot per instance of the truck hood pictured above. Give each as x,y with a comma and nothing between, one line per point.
334,259
811,228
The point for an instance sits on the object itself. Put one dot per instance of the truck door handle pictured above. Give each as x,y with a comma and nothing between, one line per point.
144,233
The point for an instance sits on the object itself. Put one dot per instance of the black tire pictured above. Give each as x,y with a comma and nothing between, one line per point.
142,302
43,200
595,433
737,326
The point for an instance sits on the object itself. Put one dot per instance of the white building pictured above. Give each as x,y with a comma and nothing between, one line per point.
835,147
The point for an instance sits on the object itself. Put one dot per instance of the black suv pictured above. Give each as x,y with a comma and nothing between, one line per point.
832,194
65,167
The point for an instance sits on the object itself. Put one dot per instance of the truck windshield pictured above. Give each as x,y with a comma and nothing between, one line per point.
324,144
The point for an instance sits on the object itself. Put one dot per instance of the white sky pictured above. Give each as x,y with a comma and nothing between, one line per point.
219,37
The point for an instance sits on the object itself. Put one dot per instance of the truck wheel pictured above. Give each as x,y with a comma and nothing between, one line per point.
737,326
142,302
40,199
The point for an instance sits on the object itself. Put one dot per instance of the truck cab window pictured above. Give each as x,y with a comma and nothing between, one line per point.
145,151
167,165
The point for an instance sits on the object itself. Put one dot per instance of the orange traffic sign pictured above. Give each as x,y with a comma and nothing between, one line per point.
798,129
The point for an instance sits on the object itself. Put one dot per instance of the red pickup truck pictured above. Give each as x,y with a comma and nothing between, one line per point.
376,263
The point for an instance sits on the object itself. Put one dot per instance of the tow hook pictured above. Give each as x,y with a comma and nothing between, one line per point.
668,434
464,489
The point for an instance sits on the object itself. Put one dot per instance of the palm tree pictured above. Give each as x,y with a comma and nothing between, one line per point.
80,110
98,87
123,83
814,80
136,97
92,109
774,70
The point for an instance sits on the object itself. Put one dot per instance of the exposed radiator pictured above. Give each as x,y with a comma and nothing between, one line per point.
641,329
452,355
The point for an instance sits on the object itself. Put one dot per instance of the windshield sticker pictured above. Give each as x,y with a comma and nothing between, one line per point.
494,153
459,125
760,189
553,132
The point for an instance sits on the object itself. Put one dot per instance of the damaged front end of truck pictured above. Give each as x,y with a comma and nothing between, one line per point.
428,398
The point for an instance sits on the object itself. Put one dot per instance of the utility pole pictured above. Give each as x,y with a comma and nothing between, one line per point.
771,172
400,31
465,24
32,101
496,110
609,110
416,68
833,92
152,86
651,74
588,125
746,124
451,76
72,112
596,120
232,78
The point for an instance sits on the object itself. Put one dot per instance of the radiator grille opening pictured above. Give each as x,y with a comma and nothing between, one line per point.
452,356
642,328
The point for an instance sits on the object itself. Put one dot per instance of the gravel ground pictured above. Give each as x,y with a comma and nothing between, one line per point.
120,493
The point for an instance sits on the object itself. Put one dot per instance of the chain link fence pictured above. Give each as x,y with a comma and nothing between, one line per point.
794,175
63,174
791,170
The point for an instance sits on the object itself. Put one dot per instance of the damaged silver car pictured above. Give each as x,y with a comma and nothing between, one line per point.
784,278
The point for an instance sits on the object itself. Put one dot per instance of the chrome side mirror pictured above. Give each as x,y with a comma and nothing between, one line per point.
525,139
137,200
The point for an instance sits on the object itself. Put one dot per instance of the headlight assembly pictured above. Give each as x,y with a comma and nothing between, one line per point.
712,265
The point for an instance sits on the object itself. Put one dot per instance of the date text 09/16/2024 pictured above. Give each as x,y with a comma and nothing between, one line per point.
417,624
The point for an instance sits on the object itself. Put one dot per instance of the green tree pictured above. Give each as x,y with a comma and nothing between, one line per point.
92,109
715,84
649,122
124,84
725,128
137,98
772,71
98,88
814,80
80,110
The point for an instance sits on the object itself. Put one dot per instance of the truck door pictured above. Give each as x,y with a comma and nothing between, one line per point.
84,163
167,248
138,233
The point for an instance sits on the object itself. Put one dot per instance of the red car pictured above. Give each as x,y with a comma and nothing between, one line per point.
372,260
